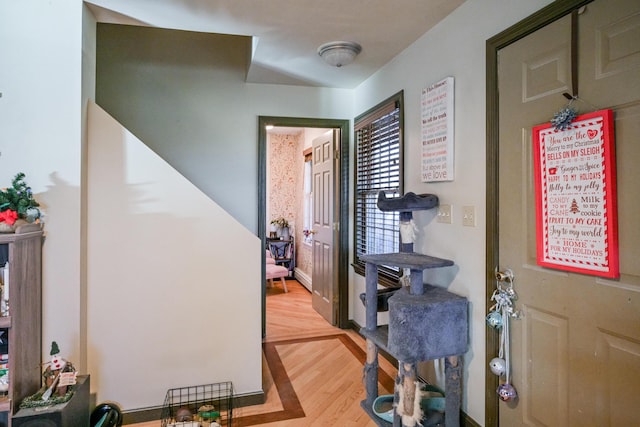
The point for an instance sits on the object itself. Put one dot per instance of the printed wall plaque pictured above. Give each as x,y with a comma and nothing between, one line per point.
575,189
437,131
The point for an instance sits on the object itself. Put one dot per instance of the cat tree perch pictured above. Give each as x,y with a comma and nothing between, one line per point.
425,323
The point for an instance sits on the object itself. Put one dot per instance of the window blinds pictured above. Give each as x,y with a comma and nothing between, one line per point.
378,168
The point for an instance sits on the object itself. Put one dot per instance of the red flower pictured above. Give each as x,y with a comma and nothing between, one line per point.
9,216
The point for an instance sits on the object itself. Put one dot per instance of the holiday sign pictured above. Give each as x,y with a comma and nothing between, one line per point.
575,187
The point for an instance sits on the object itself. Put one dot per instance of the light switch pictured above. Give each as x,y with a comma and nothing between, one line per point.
469,216
444,214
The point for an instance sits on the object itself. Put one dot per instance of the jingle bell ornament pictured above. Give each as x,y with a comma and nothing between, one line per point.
494,319
498,366
507,392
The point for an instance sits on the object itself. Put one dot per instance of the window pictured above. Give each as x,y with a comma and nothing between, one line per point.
379,147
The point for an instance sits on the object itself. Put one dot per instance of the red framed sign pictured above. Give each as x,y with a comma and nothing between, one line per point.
575,189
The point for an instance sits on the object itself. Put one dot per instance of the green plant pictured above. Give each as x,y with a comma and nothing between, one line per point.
17,201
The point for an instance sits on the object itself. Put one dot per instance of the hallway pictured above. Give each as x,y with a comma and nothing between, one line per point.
323,363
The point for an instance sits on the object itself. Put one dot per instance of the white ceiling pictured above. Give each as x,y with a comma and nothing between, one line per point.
287,33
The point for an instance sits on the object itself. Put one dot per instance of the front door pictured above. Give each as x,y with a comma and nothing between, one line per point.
324,277
575,352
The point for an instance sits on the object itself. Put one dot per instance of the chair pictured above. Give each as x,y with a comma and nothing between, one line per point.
274,271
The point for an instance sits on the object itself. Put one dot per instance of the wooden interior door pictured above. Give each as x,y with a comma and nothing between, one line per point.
575,353
324,277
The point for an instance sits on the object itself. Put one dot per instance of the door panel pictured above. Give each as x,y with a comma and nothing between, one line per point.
545,343
324,283
574,352
627,121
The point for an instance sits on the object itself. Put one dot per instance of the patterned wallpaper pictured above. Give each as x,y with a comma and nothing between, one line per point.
285,190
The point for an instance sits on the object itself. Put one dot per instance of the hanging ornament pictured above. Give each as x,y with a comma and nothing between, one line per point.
563,118
507,392
494,319
498,366
500,314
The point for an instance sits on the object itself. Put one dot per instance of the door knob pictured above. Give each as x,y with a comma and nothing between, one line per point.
504,276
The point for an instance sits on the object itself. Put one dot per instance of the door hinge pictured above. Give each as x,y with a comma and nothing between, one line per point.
336,155
336,226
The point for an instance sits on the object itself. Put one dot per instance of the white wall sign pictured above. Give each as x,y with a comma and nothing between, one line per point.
437,131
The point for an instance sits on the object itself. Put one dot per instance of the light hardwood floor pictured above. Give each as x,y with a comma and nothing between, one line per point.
312,371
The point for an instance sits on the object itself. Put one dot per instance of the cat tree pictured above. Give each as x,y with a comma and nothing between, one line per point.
425,323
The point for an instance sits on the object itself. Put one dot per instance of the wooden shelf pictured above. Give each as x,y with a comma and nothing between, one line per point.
5,404
23,250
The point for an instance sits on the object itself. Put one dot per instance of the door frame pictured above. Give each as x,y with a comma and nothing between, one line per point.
341,198
532,23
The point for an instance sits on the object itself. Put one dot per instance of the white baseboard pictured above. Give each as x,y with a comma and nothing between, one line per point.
303,279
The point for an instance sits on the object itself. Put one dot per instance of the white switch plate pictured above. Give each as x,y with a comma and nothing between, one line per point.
444,214
469,216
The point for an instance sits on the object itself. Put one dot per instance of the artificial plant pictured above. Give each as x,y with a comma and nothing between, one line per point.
17,202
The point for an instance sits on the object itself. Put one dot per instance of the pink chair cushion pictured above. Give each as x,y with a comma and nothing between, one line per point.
276,271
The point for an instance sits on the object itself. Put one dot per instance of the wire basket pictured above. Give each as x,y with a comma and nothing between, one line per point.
200,405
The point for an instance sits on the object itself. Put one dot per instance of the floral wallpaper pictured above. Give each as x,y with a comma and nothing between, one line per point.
285,190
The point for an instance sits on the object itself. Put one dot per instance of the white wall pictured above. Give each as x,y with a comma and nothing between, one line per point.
40,135
455,47
159,250
172,301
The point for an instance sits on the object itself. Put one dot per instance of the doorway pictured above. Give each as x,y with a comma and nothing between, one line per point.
340,199
576,344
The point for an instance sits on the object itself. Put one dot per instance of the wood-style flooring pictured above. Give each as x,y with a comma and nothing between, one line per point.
312,371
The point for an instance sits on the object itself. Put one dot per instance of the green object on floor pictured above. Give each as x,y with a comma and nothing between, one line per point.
209,414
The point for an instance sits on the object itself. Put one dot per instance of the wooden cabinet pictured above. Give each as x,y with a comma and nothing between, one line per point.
23,252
